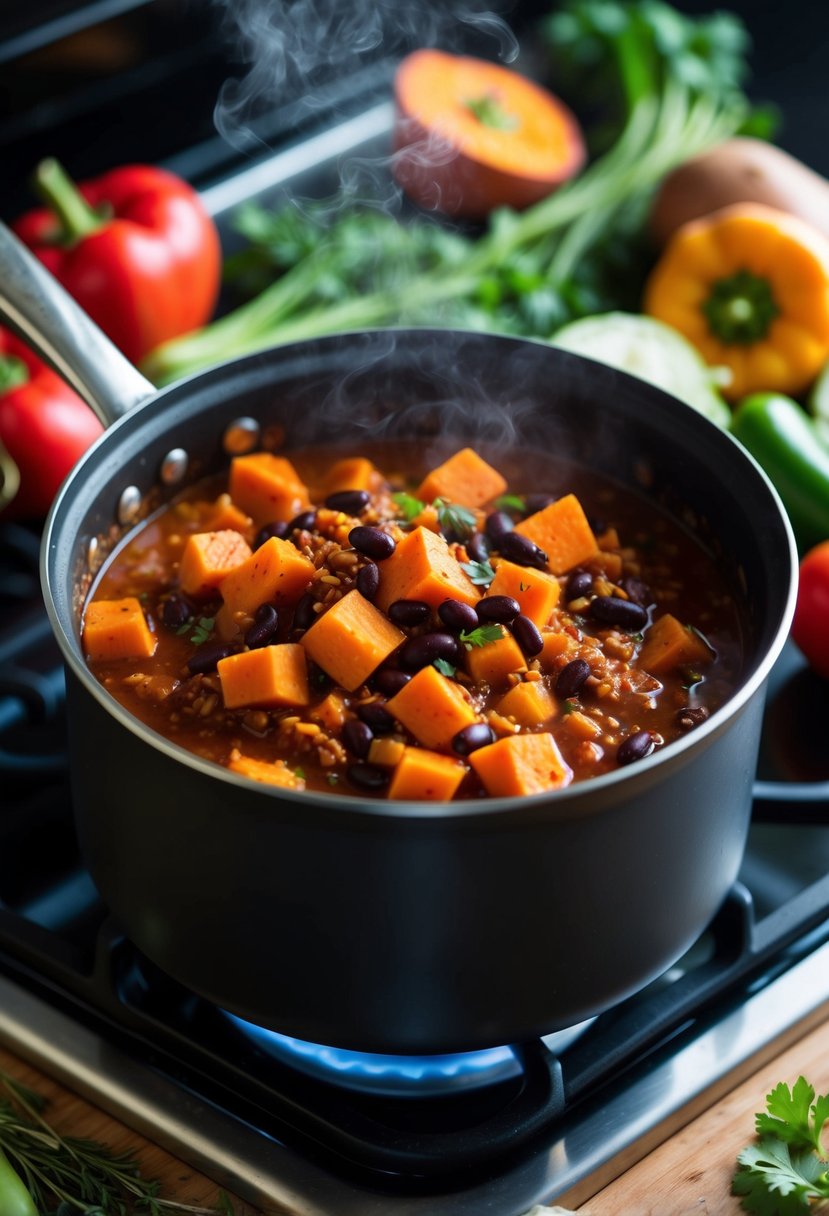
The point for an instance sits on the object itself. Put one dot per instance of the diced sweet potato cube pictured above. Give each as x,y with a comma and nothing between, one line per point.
562,531
225,514
432,708
493,662
521,764
464,478
536,592
609,563
267,487
268,677
351,639
276,573
427,518
426,776
351,473
330,711
556,643
530,703
422,568
209,557
581,726
268,772
385,752
670,644
117,629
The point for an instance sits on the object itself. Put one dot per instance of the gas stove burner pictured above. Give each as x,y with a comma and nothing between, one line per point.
399,1076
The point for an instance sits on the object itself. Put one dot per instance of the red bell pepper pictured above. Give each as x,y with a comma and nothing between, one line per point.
135,247
45,427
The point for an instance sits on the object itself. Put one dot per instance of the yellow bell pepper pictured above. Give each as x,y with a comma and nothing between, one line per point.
749,287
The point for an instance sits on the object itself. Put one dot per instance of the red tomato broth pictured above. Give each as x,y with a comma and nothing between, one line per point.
618,700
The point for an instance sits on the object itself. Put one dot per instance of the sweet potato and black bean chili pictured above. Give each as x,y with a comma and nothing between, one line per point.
333,623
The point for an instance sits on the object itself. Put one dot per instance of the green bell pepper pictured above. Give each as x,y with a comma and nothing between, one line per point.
783,440
15,1200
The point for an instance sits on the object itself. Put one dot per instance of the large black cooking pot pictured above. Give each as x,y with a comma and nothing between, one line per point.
390,926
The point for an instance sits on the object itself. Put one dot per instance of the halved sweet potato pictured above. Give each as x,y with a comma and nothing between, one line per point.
471,135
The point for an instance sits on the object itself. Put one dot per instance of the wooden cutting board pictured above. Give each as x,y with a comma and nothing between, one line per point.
689,1175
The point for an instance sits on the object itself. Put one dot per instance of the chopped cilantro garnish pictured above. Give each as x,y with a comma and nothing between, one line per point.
481,636
479,573
454,518
569,707
300,772
510,502
202,629
444,667
410,507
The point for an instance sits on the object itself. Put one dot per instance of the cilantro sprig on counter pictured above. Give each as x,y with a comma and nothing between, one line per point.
787,1168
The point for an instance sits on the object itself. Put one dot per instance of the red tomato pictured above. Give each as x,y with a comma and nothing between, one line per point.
44,426
810,628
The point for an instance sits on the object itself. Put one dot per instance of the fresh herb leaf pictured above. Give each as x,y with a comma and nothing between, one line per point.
81,1176
481,636
202,630
454,518
480,573
410,507
787,1168
569,707
299,772
510,502
444,667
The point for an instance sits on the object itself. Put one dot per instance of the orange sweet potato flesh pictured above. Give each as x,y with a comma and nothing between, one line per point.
267,487
521,764
351,639
452,155
266,678
277,573
670,644
422,568
432,708
563,532
269,773
117,629
529,703
494,662
464,478
537,593
425,776
350,473
208,557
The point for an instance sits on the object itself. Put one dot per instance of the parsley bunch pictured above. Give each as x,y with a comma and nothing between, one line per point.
787,1168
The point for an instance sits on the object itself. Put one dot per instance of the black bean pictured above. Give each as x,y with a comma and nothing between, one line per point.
357,737
304,615
372,542
406,613
350,502
521,550
497,525
175,612
277,528
376,717
579,584
613,610
635,747
527,635
687,719
571,678
264,627
537,502
458,615
303,522
477,734
367,776
367,581
477,547
499,608
206,658
389,681
636,590
420,652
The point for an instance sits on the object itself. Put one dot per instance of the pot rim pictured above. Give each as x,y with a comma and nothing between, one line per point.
567,799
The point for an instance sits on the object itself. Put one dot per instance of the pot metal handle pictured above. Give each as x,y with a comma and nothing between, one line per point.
35,306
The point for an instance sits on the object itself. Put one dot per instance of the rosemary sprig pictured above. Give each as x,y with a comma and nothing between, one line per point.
81,1176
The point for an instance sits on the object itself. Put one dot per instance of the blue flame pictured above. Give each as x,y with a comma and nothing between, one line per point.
389,1075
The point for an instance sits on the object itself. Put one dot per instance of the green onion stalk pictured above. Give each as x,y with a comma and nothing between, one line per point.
666,121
